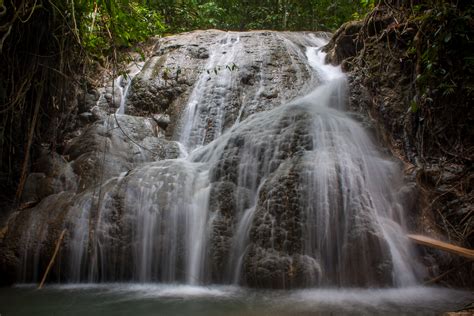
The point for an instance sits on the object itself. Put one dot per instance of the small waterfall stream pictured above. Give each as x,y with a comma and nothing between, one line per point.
123,83
293,196
207,102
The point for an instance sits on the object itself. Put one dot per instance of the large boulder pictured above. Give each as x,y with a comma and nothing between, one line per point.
243,73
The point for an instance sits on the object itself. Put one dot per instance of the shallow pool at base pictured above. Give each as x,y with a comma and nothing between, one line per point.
158,299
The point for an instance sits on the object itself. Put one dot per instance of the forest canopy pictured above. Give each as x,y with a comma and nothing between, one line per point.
132,21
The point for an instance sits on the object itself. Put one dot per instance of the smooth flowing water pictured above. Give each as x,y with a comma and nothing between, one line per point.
123,83
178,300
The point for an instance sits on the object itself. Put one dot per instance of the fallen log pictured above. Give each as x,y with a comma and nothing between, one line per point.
50,265
438,244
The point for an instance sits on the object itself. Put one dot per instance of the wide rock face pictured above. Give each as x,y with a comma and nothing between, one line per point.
220,171
228,75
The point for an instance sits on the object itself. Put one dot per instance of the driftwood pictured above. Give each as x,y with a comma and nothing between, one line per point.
438,244
51,262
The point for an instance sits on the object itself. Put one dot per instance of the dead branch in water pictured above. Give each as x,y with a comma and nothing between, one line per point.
51,262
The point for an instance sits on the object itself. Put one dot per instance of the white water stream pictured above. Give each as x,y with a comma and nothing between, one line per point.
123,83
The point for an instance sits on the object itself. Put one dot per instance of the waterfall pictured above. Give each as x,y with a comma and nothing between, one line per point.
293,195
206,105
123,83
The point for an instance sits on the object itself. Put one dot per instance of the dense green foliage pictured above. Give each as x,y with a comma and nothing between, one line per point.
99,25
248,14
106,24
124,22
444,49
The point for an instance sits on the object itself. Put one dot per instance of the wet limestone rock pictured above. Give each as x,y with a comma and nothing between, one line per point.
107,148
55,175
199,60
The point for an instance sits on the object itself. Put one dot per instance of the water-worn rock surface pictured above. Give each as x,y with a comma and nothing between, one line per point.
244,73
233,163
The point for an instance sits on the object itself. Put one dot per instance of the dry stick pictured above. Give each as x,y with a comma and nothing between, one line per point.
50,265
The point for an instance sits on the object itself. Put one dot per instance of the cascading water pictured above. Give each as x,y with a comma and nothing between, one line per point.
123,83
294,196
206,105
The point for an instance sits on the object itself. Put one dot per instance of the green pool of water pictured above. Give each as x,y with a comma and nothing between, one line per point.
158,299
